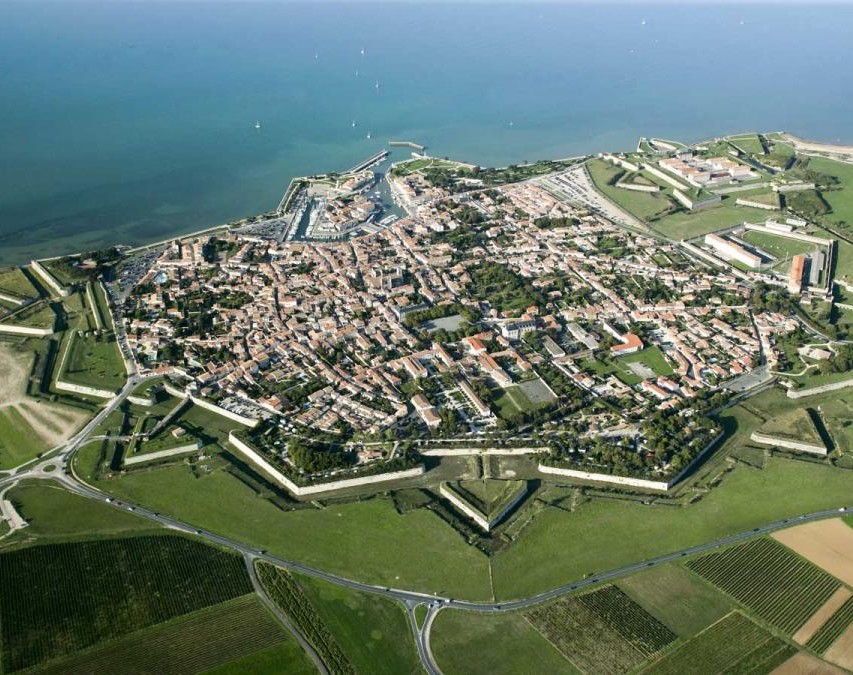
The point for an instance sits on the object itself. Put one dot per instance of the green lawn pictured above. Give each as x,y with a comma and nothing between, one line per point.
643,205
676,597
471,643
53,513
749,143
841,200
371,630
38,315
778,246
15,282
94,362
367,540
650,356
690,224
557,547
18,442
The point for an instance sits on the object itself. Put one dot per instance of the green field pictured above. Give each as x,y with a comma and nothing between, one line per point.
681,600
793,425
292,600
55,514
832,629
488,497
749,143
651,357
285,658
56,599
18,443
601,631
367,540
690,224
840,200
371,630
779,247
473,643
642,205
94,361
541,558
193,643
770,580
733,645
37,315
14,282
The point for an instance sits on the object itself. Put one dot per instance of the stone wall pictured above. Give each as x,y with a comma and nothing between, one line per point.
49,279
822,389
300,490
788,444
160,454
25,330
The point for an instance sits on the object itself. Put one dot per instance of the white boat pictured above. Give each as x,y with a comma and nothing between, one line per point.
362,51
377,84
257,125
368,135
353,125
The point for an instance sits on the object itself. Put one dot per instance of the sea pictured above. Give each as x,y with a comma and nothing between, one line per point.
129,122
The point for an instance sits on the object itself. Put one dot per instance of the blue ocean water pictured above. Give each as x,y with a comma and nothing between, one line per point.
126,122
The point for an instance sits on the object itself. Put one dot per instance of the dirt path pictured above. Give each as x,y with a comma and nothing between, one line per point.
827,543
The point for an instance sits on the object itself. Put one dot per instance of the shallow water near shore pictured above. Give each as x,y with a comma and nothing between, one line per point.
129,122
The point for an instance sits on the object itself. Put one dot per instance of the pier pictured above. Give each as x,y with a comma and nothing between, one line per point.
407,144
369,162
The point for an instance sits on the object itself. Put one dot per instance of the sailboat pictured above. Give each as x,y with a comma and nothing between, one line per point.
353,125
377,84
368,135
257,125
362,51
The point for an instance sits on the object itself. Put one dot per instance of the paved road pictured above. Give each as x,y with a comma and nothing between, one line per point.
58,467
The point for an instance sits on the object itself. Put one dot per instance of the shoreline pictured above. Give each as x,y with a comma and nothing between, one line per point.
799,143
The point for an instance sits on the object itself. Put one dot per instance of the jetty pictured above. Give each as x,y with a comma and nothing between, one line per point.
407,144
369,162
